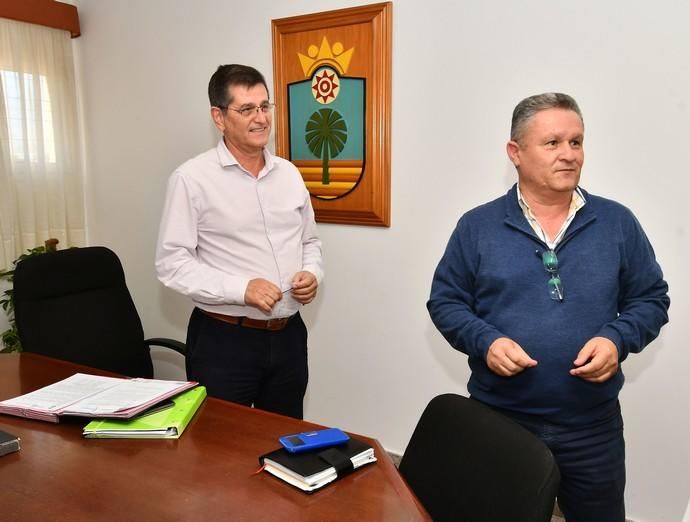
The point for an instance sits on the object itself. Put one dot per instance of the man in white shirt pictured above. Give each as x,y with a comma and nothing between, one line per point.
238,236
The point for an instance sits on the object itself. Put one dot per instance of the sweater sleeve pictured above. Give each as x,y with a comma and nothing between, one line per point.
451,304
643,300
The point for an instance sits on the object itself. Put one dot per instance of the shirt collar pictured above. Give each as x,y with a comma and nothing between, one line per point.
577,201
227,159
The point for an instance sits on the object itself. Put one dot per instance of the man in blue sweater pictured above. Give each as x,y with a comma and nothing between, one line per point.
547,290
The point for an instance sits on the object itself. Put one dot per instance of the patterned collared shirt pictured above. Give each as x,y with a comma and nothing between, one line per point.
576,203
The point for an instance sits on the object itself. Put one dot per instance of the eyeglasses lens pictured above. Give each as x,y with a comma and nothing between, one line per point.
551,265
550,261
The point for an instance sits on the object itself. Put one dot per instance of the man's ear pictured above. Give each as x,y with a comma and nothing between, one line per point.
217,117
513,150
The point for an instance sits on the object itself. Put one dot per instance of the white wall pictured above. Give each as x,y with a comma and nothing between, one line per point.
458,70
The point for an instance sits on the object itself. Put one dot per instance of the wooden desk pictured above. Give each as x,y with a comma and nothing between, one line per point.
207,474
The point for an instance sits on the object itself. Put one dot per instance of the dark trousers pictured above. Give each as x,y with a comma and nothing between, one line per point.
591,459
260,368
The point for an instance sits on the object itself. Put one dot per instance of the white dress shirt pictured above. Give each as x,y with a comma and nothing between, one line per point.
222,227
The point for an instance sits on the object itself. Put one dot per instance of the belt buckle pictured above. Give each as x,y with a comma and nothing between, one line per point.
275,323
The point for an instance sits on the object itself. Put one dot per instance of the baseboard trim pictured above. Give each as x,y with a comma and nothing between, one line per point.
395,457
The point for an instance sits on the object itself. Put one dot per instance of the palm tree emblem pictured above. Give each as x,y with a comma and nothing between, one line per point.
326,135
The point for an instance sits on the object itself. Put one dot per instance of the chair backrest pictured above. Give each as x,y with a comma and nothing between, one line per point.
466,462
74,305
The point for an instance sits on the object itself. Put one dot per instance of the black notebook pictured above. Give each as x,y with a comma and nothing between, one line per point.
312,470
8,443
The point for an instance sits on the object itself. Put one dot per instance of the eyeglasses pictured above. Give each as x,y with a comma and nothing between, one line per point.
550,262
251,110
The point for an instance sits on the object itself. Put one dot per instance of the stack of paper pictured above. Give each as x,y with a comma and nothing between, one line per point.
93,396
312,470
168,423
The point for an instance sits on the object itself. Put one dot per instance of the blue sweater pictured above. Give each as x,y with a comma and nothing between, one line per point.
490,283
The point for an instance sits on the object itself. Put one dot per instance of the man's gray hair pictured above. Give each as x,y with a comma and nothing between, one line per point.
527,108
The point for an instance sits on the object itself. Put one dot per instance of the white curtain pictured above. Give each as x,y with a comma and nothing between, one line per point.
41,185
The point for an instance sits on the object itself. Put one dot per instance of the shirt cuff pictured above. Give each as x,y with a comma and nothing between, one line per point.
316,270
234,289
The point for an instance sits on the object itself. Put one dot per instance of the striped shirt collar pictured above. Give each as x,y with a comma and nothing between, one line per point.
577,201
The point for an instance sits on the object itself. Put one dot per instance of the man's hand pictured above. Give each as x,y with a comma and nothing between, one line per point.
262,294
507,358
304,285
597,360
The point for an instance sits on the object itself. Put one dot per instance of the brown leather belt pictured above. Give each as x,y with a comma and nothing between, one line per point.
260,324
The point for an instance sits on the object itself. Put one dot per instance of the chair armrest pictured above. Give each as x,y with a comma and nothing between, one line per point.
167,343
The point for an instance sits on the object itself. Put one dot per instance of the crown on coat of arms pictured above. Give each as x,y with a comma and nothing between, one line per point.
334,56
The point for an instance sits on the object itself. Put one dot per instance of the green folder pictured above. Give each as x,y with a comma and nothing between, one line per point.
166,424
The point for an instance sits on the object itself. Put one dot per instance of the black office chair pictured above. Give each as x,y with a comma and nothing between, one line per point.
74,305
468,463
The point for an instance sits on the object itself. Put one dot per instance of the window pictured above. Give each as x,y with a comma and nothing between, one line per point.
41,163
26,136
